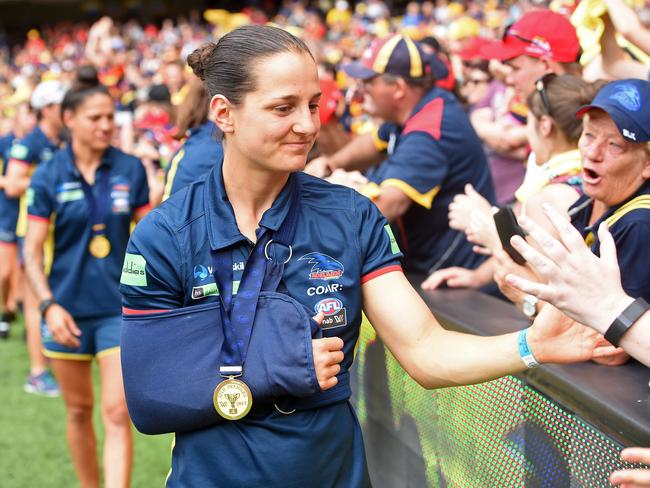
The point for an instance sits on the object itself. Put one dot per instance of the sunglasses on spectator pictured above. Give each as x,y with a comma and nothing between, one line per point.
481,64
507,32
540,87
477,81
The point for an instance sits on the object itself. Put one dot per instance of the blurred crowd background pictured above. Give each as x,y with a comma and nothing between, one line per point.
139,49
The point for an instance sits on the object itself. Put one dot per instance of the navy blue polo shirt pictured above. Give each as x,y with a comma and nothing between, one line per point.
431,159
198,155
33,149
8,206
631,233
341,241
84,285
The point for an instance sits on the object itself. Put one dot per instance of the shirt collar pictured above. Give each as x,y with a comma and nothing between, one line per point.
587,203
435,92
41,135
563,163
104,163
220,217
566,163
209,129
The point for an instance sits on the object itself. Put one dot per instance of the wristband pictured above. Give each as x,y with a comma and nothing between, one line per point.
45,304
525,351
625,320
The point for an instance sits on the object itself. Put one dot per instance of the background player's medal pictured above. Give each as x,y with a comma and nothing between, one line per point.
99,246
232,399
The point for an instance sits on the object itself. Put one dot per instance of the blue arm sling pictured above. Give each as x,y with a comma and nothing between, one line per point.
171,360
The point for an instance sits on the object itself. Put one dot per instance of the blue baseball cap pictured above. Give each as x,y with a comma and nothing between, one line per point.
627,102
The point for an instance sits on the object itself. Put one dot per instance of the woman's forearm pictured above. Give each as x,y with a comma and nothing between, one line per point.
35,273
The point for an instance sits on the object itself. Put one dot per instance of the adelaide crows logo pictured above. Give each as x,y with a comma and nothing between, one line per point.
200,272
324,267
628,96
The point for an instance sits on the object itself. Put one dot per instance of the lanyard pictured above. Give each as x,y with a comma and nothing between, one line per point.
98,206
263,271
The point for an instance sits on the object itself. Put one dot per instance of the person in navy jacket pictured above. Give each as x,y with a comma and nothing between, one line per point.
264,90
202,149
88,193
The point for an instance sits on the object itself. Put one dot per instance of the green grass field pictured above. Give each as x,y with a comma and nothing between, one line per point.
33,448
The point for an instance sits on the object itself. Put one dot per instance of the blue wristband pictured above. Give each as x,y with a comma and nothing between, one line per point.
525,351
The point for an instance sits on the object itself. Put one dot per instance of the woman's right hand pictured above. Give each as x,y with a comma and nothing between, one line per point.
63,327
328,353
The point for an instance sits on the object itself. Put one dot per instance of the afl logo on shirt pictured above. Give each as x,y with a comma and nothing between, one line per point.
329,306
334,311
324,267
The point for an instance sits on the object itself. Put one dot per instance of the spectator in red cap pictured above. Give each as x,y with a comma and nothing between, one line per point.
502,133
540,42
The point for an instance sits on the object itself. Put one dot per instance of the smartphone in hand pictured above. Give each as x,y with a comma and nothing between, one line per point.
507,226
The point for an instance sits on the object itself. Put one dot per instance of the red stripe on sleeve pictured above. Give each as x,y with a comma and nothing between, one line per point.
132,311
379,272
38,218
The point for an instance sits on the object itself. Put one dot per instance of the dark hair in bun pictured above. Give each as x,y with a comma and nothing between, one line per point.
226,67
86,84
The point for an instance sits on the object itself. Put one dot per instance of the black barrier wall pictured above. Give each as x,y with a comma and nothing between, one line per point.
557,426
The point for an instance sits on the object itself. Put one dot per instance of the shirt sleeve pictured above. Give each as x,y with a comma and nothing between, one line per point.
22,151
140,188
417,168
380,252
381,136
631,248
39,198
152,267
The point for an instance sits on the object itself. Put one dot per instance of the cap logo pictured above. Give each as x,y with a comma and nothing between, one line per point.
629,135
627,96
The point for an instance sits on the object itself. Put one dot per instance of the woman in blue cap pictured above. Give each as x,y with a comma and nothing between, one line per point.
220,281
88,194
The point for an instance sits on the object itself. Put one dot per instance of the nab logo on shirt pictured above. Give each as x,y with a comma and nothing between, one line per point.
334,311
324,267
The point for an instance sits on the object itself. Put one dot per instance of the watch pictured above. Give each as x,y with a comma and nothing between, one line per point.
529,306
45,304
625,320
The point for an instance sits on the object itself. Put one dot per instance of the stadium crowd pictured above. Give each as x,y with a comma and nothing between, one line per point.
454,118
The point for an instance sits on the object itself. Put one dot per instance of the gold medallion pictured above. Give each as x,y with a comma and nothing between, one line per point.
232,399
99,246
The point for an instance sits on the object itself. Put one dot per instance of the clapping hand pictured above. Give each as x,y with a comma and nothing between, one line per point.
584,286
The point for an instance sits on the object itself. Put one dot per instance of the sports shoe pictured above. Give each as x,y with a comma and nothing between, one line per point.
5,324
42,384
4,329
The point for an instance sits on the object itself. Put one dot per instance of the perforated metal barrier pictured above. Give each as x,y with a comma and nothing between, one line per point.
502,433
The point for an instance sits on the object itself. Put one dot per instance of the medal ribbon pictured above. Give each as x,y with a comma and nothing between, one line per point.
98,206
262,272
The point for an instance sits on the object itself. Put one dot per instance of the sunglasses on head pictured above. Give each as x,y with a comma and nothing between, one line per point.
540,86
508,32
